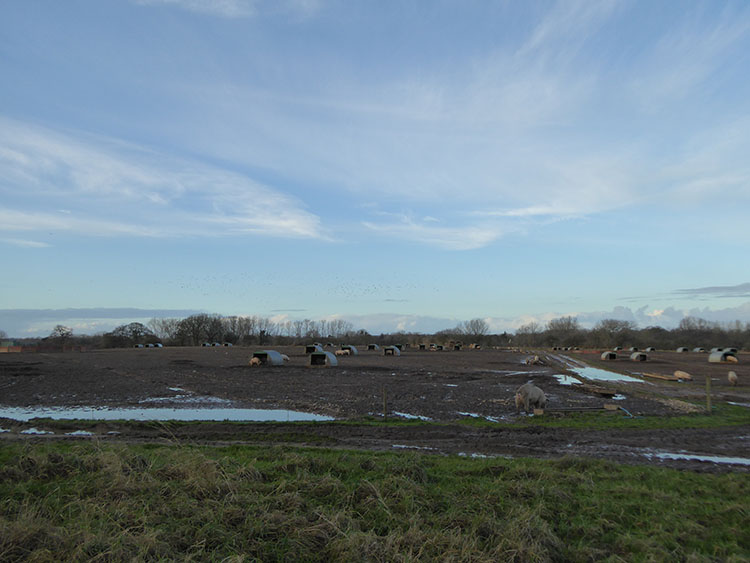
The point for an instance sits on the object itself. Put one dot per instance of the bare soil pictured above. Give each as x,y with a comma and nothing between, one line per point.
445,387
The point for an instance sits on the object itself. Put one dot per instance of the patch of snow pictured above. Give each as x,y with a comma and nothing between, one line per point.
79,433
405,447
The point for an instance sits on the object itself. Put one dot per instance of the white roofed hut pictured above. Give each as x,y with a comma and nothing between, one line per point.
310,348
609,356
373,347
682,349
391,351
323,360
638,357
723,357
352,349
269,357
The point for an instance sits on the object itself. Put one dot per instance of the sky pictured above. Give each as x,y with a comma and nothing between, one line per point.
403,165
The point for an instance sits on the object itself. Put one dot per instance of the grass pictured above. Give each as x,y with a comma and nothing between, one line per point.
722,415
63,501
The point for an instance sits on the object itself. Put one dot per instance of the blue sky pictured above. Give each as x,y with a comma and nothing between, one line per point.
403,165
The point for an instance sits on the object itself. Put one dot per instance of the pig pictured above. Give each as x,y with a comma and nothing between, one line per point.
732,377
529,395
255,362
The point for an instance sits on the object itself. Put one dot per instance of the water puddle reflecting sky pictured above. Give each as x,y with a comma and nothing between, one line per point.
141,414
603,375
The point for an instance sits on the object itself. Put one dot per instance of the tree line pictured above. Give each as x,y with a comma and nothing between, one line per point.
255,330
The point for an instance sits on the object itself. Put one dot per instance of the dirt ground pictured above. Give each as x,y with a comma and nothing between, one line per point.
444,386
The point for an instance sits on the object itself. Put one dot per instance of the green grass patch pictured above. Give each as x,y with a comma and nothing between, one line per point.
722,415
73,501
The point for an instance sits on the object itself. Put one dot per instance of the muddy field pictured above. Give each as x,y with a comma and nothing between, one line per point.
442,386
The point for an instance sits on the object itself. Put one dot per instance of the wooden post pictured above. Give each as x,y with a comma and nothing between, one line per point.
708,394
385,404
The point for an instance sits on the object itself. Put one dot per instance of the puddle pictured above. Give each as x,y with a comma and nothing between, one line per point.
411,416
152,413
187,399
603,375
405,447
512,372
36,431
471,414
618,397
175,388
696,457
79,433
450,385
484,456
747,405
567,380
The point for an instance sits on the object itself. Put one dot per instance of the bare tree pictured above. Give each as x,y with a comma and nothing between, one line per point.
475,328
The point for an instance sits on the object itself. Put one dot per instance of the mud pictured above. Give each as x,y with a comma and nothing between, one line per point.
444,387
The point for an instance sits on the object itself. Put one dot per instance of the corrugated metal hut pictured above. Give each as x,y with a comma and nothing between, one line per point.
716,350
373,347
699,349
269,357
650,349
609,356
423,346
683,349
633,349
311,348
391,351
352,349
639,357
323,359
722,357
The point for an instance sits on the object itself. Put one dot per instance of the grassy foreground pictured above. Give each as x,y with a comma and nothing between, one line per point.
110,503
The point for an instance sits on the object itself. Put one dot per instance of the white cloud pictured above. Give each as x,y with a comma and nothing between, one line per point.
449,238
685,58
111,188
22,242
222,8
235,9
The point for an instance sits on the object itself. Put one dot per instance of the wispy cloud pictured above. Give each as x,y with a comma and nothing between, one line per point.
235,9
22,242
222,8
114,189
740,290
684,59
449,238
